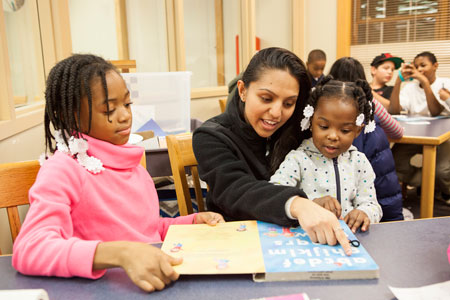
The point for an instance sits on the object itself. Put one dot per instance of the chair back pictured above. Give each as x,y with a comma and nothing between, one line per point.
16,179
124,66
182,156
223,104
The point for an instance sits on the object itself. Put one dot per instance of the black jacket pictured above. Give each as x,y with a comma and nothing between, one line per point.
232,160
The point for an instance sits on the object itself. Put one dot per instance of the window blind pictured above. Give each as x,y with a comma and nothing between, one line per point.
403,28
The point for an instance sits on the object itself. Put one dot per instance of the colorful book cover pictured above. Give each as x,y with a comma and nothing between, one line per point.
268,251
289,254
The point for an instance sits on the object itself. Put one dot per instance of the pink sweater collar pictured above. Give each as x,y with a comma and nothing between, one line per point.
114,156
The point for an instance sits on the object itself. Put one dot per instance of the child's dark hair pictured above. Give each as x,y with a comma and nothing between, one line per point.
359,92
347,69
69,81
316,55
431,57
289,135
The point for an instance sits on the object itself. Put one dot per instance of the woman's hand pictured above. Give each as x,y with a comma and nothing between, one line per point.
147,266
356,218
208,217
320,224
331,204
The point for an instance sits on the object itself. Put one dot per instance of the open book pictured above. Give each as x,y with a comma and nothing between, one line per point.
268,251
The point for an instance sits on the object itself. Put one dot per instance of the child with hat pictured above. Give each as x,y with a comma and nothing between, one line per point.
382,70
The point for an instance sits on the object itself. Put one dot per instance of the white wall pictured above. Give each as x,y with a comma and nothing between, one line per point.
93,27
274,23
320,29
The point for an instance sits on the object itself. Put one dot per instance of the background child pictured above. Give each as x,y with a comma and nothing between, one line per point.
327,167
382,69
315,65
422,97
350,69
93,206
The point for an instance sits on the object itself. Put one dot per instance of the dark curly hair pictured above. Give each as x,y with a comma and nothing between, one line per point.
359,92
431,57
68,82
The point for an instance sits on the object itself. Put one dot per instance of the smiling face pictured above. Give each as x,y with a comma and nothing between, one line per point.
316,68
383,73
333,126
115,126
426,67
269,101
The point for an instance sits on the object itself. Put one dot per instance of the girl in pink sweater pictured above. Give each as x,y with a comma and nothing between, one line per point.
93,206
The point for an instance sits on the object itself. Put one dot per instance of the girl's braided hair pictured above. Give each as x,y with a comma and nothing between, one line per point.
68,82
359,91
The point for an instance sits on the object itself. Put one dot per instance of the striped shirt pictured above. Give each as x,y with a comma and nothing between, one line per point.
391,127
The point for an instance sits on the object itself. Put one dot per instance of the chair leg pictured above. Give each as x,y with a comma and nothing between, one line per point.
404,190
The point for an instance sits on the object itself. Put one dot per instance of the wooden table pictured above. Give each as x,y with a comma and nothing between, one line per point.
409,254
429,136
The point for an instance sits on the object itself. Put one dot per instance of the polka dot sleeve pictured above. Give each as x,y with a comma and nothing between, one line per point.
289,172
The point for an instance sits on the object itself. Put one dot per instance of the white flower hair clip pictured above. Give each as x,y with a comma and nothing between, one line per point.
77,149
360,119
308,111
370,127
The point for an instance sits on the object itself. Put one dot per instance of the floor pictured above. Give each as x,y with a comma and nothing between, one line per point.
412,203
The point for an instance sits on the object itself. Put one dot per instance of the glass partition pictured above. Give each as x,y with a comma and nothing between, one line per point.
24,51
211,35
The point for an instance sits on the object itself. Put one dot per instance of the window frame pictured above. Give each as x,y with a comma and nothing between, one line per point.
56,45
176,45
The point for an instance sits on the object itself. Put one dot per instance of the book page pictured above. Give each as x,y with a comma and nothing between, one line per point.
227,248
438,291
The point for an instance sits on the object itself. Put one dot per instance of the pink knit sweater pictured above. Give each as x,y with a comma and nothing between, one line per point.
72,210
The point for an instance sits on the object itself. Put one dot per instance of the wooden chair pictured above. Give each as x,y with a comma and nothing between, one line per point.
124,66
16,180
181,156
223,104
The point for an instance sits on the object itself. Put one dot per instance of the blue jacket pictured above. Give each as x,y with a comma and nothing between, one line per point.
375,146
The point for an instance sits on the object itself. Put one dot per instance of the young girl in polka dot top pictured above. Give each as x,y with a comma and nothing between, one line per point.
326,166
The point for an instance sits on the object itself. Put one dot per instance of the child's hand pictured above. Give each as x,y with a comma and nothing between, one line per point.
410,71
330,204
148,267
208,217
444,94
355,218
